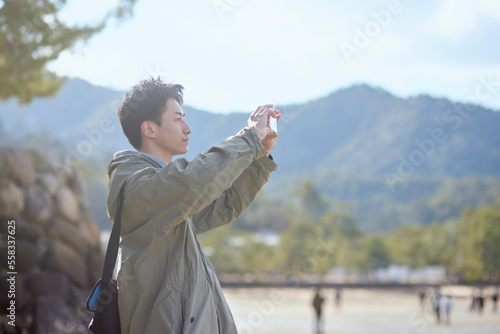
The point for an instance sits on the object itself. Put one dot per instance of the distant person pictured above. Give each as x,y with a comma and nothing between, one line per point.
475,300
447,306
167,284
480,301
436,302
338,298
421,298
494,299
318,308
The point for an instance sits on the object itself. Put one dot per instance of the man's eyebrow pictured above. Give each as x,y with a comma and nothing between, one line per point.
179,113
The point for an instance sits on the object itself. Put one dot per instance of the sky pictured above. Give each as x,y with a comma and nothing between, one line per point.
233,55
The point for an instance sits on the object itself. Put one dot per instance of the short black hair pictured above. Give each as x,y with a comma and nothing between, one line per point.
146,102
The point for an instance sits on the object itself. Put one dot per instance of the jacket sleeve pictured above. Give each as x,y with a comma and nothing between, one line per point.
233,201
179,190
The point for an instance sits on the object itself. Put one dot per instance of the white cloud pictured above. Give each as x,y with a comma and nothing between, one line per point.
454,18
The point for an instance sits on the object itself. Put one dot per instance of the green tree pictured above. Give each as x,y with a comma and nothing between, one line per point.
406,246
296,251
313,201
479,244
439,242
256,257
339,224
340,231
375,252
312,246
31,36
222,253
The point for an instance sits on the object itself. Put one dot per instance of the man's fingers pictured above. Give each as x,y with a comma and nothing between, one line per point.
275,113
260,117
263,107
261,110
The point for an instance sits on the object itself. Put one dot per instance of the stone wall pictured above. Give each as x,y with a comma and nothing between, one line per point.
57,245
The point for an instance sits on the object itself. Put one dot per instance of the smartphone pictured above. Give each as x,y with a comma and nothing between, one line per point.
273,124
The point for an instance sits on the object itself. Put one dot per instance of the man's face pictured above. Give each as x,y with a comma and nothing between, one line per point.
173,134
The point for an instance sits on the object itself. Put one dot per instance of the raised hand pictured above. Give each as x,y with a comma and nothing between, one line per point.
259,119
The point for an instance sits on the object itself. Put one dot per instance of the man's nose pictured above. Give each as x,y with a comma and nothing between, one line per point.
187,128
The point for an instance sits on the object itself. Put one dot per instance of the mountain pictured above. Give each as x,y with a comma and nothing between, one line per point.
360,129
361,145
77,106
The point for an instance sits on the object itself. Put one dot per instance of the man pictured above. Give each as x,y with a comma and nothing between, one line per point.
166,283
318,308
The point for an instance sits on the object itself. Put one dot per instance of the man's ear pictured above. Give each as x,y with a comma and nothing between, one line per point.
148,129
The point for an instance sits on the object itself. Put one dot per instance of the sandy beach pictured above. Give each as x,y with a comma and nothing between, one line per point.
362,311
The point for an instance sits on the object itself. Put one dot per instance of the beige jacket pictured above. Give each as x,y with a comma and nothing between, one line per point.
166,283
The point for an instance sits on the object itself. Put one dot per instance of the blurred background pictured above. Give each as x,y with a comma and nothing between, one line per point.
388,188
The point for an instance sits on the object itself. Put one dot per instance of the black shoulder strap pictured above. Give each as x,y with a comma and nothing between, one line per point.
114,240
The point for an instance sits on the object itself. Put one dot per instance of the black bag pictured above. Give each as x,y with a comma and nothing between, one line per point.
103,300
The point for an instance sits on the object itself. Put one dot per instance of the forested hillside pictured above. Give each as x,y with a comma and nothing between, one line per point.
383,159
